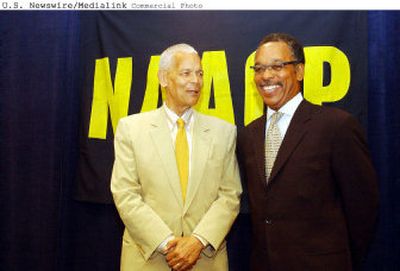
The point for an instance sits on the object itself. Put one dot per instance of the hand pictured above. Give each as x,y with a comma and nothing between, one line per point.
183,252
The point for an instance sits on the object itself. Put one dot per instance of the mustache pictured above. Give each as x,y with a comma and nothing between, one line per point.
271,83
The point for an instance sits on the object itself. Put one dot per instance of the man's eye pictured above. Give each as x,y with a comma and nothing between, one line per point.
258,68
277,67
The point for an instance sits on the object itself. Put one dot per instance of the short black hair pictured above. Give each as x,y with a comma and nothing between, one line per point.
292,42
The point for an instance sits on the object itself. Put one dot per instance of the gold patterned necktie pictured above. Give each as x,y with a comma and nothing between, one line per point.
273,141
182,156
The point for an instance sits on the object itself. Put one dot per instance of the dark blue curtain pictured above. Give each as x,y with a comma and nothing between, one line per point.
38,119
42,228
384,133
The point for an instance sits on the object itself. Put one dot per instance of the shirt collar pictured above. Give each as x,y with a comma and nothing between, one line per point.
172,117
288,108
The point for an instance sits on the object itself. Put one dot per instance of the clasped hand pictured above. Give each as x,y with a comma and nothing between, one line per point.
183,252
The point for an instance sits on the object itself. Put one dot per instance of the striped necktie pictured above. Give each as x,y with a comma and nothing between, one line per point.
273,141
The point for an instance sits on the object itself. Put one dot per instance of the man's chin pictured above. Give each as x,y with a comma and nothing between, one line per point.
271,102
192,102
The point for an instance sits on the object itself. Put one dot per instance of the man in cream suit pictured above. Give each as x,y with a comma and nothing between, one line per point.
176,217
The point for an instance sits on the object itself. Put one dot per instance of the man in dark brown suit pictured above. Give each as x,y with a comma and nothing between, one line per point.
316,208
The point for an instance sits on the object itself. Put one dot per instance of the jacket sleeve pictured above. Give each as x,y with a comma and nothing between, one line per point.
357,181
144,226
218,220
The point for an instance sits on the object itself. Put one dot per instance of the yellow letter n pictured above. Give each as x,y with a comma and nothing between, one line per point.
106,97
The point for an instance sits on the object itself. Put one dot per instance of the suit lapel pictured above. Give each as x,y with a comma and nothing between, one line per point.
200,149
294,134
257,136
161,137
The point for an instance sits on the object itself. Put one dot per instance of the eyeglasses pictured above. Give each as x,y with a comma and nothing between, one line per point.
276,67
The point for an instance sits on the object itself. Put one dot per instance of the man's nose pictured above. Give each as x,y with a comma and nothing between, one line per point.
195,78
268,73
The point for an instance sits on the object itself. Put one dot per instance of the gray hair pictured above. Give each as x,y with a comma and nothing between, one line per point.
168,54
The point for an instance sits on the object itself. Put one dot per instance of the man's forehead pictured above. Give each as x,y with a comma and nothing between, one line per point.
182,60
273,51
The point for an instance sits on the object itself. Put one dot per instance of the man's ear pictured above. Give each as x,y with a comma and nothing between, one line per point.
299,72
162,78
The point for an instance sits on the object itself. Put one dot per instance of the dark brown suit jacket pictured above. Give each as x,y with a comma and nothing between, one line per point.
320,205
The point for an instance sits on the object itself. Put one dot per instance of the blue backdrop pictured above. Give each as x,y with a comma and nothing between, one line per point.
43,228
226,37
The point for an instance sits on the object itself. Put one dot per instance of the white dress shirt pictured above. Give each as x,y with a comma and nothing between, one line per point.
188,118
288,110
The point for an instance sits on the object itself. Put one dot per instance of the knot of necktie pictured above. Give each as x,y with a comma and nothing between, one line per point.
181,123
276,117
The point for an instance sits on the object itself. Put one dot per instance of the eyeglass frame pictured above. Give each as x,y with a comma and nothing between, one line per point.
276,67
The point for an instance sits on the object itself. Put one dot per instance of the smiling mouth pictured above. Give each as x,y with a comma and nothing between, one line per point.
193,91
270,88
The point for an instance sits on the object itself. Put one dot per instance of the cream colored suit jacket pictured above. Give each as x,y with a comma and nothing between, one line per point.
146,189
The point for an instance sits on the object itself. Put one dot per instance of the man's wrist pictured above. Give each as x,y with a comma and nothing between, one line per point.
162,248
202,240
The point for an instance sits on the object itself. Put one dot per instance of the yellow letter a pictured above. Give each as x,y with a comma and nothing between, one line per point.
216,72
